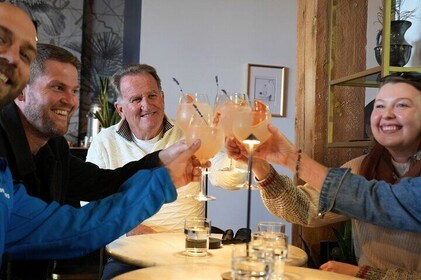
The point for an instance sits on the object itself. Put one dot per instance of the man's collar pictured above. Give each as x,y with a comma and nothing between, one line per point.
124,131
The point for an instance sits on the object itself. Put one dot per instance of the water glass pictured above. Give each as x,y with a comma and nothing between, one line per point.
271,227
248,263
197,231
275,246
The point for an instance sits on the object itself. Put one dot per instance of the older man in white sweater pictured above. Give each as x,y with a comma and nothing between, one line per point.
144,128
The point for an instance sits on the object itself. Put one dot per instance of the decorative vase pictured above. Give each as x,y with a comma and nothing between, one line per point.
400,49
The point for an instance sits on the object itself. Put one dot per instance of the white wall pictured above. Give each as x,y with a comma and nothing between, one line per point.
194,40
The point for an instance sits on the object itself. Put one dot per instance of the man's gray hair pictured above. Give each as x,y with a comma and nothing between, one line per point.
133,69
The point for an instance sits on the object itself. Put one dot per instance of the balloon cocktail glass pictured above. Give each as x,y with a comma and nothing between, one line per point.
227,105
202,126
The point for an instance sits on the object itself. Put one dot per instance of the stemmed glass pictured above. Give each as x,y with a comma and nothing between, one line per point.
187,104
250,128
202,126
226,105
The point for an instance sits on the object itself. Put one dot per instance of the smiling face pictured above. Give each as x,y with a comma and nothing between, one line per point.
17,51
142,105
396,119
49,100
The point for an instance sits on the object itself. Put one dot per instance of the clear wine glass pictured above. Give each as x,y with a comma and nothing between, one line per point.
251,129
227,105
186,109
202,126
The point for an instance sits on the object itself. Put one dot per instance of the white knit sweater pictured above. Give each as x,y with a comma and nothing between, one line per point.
110,150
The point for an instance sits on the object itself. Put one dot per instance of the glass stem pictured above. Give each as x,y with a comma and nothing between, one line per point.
203,181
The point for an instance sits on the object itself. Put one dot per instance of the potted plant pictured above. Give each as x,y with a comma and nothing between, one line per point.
106,115
400,49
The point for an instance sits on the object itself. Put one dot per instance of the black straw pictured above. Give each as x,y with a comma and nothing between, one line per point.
225,92
178,84
200,113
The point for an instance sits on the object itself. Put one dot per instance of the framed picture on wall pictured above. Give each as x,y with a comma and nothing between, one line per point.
267,84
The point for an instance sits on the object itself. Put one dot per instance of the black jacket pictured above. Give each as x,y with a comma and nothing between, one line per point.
54,174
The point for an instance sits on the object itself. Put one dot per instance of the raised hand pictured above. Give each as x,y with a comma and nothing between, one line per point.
277,149
181,163
236,150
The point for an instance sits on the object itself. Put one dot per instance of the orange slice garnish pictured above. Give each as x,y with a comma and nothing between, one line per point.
216,119
260,106
189,98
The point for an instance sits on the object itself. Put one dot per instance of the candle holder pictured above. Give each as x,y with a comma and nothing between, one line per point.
251,141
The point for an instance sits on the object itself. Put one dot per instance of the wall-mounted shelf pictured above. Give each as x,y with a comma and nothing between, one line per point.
368,78
350,144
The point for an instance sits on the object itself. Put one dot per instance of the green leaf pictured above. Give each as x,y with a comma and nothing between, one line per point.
345,243
104,116
310,262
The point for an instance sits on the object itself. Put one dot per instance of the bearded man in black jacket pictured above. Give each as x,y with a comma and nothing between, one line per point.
31,133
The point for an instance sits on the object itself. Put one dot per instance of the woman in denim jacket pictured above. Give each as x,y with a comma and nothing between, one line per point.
396,127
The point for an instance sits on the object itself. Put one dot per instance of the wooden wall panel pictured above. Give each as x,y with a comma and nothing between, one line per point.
312,89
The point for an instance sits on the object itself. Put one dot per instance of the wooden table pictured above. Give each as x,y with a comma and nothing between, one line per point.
160,249
214,272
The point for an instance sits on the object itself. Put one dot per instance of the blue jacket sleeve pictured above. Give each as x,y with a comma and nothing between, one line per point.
39,230
395,206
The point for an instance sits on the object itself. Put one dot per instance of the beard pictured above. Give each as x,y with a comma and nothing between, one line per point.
42,124
14,85
7,96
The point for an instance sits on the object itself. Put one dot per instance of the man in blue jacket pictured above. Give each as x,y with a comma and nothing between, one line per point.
31,133
29,227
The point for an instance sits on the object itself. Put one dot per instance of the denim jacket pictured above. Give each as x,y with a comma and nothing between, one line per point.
395,206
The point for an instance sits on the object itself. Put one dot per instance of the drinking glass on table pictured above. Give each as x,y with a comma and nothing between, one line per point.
197,231
271,227
203,126
248,263
273,245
